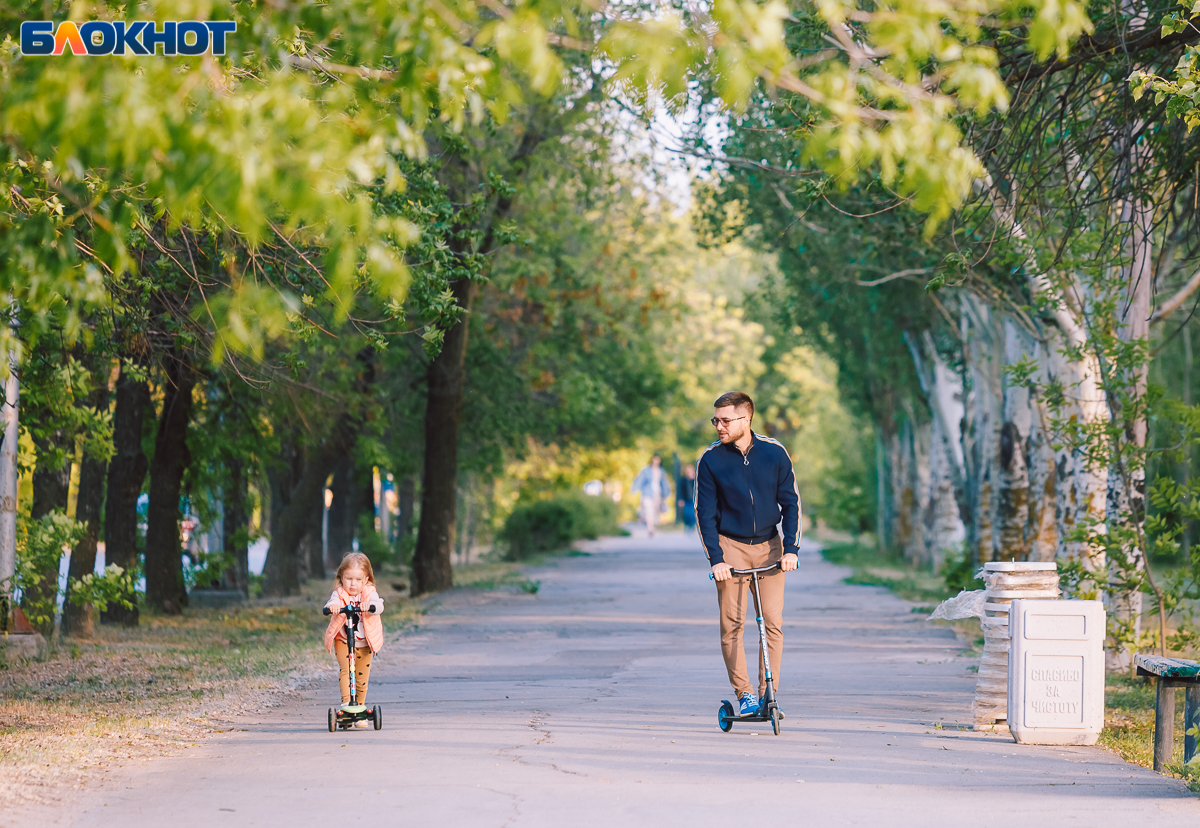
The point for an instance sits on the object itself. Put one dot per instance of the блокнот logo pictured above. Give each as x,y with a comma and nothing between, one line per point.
141,37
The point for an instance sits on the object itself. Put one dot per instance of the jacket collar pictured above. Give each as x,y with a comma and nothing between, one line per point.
754,438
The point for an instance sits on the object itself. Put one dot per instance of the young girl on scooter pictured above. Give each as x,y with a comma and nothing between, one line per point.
355,587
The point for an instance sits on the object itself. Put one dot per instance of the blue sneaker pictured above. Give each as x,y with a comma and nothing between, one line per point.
748,705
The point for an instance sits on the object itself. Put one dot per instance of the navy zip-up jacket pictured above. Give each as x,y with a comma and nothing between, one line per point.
744,497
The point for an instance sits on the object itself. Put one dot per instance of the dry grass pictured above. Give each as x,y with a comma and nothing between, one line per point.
155,690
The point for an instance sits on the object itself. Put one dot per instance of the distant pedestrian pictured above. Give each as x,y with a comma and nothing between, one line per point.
355,587
686,504
745,487
655,490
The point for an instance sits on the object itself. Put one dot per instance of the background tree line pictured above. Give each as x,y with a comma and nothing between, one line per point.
405,238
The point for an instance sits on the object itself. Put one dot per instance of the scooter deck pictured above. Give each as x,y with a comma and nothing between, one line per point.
756,717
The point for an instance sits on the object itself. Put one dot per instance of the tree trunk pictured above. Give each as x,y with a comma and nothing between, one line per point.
236,525
341,511
290,522
439,487
126,474
81,620
313,550
1186,396
9,483
406,494
50,486
1013,496
164,569
1127,484
364,503
50,483
281,574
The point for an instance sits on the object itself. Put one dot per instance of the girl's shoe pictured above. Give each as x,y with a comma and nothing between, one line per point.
360,725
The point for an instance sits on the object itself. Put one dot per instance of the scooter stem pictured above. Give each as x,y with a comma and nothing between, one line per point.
769,695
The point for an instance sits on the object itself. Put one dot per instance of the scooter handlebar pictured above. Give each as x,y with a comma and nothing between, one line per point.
347,610
758,570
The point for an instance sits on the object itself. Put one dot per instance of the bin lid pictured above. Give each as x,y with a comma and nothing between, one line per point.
1020,566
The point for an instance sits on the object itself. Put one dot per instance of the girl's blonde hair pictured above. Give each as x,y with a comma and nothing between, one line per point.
356,559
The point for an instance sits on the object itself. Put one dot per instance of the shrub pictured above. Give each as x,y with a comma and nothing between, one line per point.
594,516
373,544
537,528
959,573
40,545
114,586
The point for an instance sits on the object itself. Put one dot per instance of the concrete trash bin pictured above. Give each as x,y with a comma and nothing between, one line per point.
1005,581
1056,672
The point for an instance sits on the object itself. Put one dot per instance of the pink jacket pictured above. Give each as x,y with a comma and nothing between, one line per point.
372,625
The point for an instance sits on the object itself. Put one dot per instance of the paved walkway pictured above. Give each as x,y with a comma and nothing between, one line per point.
594,703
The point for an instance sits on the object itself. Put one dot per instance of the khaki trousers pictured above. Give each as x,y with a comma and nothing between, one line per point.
732,598
362,669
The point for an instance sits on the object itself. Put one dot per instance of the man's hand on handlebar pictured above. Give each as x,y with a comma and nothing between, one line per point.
720,572
788,562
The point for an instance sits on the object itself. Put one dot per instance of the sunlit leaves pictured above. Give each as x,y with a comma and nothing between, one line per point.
1180,93
314,102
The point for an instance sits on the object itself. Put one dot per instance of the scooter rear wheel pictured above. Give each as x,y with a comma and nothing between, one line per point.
725,716
776,717
377,716
332,721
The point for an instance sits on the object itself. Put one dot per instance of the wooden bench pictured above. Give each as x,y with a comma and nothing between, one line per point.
1172,673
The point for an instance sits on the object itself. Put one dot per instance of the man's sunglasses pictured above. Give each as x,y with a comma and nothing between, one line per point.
716,421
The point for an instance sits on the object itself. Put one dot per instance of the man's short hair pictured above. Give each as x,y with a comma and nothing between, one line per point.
735,398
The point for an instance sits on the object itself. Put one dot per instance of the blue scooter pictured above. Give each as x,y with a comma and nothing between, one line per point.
768,709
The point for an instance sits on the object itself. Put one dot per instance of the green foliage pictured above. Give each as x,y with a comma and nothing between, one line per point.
592,516
206,568
40,547
54,392
1180,91
538,528
373,544
958,572
114,585
287,136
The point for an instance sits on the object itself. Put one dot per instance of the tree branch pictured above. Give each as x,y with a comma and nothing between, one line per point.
899,274
1168,307
1102,44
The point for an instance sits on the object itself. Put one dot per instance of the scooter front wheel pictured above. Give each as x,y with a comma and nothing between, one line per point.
332,721
377,716
725,716
776,719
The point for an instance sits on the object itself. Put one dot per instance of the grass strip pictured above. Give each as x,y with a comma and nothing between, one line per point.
875,568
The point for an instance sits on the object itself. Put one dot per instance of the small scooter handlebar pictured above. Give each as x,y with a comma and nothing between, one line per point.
346,610
757,570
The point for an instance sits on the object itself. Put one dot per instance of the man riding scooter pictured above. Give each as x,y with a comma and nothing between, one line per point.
746,488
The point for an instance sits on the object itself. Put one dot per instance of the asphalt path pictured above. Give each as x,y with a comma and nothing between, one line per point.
593,703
